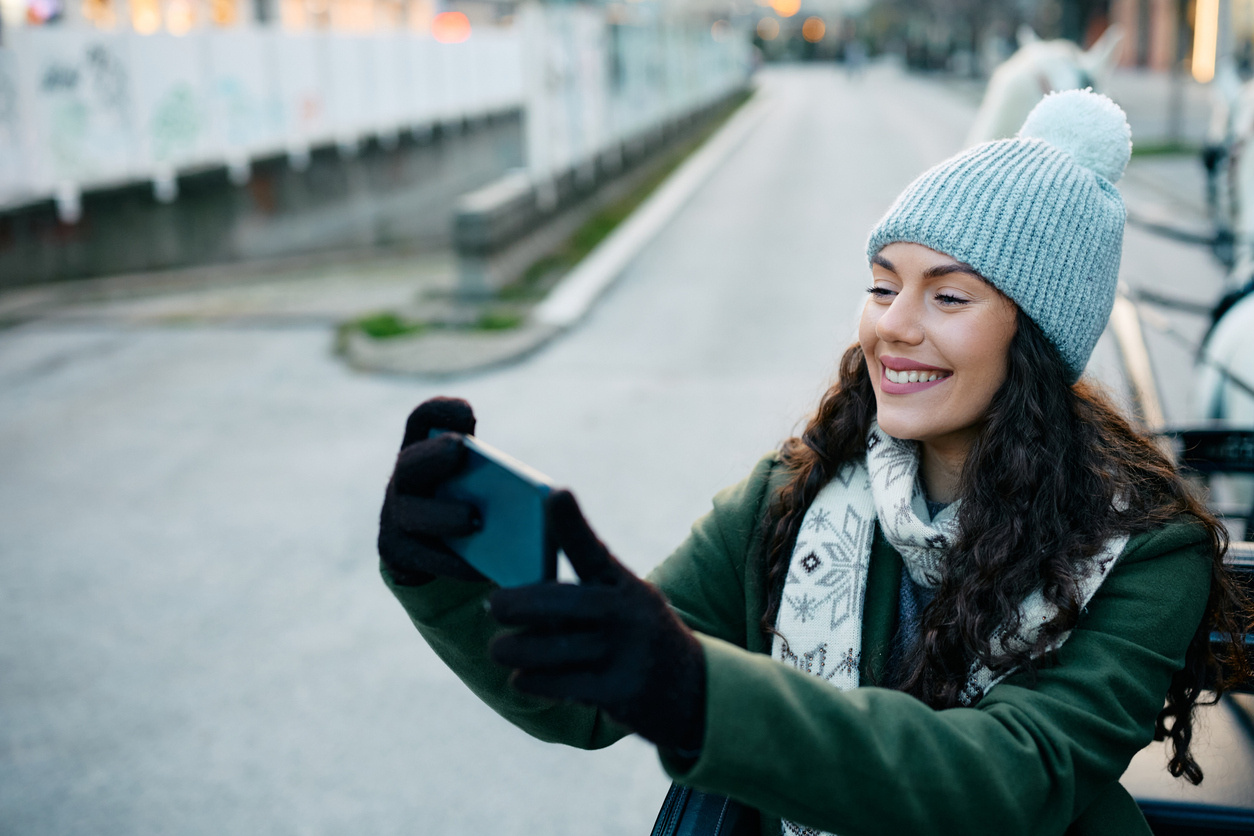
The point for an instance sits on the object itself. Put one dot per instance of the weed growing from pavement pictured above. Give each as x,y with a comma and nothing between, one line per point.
494,320
384,325
1167,148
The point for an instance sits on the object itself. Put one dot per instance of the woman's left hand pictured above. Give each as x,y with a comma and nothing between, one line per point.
611,641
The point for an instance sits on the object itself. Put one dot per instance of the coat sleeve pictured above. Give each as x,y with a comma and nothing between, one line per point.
700,580
453,617
1028,759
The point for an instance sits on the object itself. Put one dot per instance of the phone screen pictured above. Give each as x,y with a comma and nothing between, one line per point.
513,547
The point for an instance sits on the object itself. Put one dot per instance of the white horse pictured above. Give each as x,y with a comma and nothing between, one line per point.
1230,344
1037,68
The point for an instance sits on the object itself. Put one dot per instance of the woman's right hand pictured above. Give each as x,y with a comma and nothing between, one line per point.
413,521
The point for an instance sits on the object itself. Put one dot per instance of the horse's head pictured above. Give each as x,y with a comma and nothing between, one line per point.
1037,68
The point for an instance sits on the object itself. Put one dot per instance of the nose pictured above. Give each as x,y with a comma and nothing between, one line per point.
902,321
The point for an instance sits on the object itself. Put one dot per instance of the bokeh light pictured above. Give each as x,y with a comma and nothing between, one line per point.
813,29
721,31
786,8
450,27
39,12
180,17
145,16
768,28
223,12
100,12
1205,40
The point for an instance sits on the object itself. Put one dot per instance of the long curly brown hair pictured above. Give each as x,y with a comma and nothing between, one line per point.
1054,474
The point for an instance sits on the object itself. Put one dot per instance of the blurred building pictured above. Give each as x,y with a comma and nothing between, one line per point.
975,35
181,16
1160,33
1157,31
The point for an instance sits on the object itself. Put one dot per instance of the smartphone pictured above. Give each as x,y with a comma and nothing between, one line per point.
513,548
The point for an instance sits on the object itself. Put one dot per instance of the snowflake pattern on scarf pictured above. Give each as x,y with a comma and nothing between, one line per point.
825,588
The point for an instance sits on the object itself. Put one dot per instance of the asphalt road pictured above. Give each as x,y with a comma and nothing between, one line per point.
193,636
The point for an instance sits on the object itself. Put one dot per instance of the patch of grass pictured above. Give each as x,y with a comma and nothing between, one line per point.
382,326
495,320
535,280
1164,149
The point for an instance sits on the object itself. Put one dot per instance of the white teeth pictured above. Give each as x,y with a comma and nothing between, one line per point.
915,376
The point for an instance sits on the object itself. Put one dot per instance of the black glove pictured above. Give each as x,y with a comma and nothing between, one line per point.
612,641
412,522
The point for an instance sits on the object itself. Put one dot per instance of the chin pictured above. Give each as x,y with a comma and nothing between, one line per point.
904,430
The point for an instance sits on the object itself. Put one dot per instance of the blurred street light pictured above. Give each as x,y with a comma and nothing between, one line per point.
180,17
145,16
450,28
786,8
813,29
1205,40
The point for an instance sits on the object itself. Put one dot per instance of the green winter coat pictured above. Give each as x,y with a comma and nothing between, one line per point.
1032,757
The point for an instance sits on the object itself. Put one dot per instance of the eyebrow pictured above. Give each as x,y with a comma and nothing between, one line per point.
933,272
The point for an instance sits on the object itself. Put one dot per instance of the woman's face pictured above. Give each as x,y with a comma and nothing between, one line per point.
936,338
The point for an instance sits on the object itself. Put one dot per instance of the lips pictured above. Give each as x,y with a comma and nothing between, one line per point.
903,377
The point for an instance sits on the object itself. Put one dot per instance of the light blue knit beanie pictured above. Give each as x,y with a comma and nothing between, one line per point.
1038,216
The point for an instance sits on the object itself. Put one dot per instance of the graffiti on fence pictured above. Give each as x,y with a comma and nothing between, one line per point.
176,122
108,78
83,109
81,87
239,113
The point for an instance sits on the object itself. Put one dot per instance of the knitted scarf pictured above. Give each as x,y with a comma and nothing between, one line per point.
819,629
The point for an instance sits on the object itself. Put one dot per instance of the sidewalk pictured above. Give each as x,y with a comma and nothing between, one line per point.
315,291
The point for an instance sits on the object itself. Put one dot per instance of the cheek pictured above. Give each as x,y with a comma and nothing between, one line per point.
993,356
866,329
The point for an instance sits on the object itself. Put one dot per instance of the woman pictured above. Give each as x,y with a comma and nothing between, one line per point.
954,604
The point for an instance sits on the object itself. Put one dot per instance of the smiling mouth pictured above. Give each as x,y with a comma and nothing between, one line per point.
909,381
914,375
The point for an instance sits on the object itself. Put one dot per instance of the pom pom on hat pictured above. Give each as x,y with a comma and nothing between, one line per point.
1088,126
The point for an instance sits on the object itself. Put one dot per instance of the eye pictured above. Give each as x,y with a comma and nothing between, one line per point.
878,292
949,300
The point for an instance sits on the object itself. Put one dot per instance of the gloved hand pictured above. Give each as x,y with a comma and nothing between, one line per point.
413,522
611,641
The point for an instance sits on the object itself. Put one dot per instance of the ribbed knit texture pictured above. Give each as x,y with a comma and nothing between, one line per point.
1042,228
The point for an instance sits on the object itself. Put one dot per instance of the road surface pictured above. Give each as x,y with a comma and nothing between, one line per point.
193,635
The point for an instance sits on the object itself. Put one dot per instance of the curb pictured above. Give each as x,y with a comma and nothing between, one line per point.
452,354
445,354
571,299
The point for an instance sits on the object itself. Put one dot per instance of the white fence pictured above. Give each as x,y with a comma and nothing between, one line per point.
591,85
82,109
